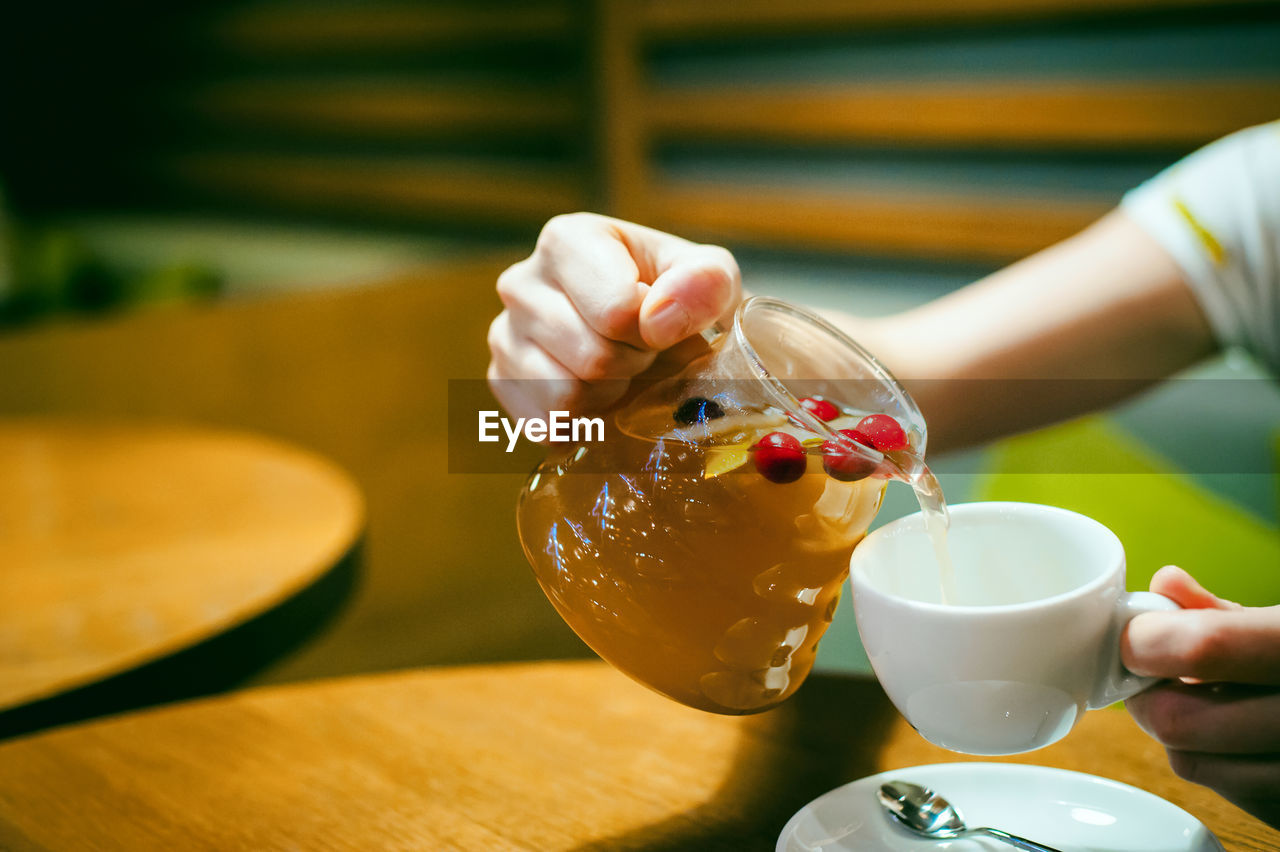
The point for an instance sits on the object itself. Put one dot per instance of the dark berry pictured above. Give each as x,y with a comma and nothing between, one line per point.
779,457
845,463
820,408
697,409
882,432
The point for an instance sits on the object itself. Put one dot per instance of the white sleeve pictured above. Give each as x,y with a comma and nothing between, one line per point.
1217,212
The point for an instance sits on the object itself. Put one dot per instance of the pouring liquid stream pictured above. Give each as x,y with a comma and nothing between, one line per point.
933,507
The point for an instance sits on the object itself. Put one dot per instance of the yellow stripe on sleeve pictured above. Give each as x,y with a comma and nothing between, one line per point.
1207,239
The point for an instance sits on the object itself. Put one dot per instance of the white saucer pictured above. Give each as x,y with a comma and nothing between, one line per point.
1067,810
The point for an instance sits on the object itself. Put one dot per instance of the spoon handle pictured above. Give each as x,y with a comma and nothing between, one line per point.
1015,840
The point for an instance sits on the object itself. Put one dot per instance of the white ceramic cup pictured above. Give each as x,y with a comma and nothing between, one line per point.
1031,640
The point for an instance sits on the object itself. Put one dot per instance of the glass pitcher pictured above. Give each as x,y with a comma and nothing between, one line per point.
701,546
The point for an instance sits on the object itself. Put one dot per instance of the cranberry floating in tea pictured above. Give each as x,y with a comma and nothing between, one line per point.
701,547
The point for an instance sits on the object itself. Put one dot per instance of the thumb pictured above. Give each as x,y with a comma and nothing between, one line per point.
700,286
1176,584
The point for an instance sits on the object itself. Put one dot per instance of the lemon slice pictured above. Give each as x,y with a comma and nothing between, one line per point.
742,429
724,459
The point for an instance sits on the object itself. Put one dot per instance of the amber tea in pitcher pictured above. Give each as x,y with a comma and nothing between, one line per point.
702,545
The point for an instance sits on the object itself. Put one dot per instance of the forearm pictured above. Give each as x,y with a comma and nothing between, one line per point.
1071,329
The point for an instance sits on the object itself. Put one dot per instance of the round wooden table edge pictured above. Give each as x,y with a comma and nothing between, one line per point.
345,541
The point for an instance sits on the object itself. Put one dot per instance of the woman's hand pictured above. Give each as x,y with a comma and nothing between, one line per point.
593,306
1219,718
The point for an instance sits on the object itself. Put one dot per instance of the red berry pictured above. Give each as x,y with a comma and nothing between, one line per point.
882,432
779,457
820,408
845,463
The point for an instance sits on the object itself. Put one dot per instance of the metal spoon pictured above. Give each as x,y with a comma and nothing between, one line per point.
929,815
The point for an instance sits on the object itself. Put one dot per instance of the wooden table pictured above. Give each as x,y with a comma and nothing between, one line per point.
360,376
539,757
123,543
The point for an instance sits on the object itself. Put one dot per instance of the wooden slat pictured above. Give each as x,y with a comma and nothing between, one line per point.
622,136
414,109
297,28
957,227
499,193
988,112
675,19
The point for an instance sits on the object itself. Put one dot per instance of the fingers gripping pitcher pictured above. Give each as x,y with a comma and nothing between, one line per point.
701,546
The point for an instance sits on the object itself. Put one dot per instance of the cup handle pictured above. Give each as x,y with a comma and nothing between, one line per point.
1116,683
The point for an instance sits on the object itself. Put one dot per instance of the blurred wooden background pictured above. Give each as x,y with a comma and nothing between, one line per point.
975,132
